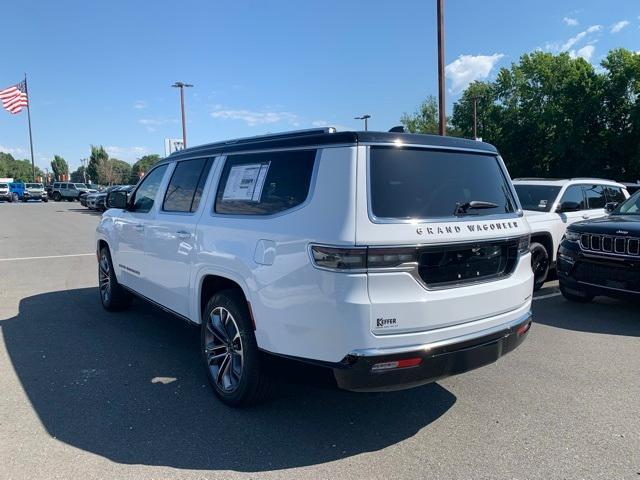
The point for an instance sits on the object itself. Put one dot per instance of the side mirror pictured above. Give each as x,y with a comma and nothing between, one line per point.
568,207
118,199
611,206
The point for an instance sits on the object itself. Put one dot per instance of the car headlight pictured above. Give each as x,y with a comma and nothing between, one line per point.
523,245
571,236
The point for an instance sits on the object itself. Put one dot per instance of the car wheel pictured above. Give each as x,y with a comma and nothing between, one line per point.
112,295
575,295
45,200
57,197
230,351
539,264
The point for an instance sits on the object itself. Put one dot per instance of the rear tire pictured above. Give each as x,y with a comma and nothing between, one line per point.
572,297
112,295
539,264
230,352
57,197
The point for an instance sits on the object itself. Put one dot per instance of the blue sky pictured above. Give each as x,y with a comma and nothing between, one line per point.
99,72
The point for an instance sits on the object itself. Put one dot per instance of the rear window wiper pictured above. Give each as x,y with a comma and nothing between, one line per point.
462,208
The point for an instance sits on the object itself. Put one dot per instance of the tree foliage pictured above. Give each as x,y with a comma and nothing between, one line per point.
98,157
142,166
20,170
557,116
78,175
59,166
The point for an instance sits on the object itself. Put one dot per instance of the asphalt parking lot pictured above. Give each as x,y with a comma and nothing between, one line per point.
88,394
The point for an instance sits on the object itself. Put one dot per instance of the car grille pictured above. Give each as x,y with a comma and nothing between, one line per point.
610,244
622,277
450,265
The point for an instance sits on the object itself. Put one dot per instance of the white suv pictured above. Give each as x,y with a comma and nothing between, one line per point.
392,259
552,205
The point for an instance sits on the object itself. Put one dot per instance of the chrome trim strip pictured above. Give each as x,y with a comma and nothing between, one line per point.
608,288
425,347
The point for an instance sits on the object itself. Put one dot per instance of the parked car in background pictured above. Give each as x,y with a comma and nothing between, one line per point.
390,259
35,191
602,256
101,198
69,191
552,205
6,194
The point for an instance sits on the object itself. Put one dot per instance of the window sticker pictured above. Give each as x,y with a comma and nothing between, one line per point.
245,182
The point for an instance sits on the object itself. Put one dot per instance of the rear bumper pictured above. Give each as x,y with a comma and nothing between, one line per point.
437,360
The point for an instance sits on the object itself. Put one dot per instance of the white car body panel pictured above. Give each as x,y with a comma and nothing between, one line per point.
301,310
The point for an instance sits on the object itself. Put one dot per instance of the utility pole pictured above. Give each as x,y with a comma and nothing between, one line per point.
441,99
365,118
182,86
475,117
83,161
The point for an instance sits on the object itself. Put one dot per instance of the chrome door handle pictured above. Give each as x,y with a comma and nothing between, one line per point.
183,234
139,227
586,217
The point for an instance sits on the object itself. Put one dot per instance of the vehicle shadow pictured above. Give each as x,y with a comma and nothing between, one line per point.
603,315
130,387
84,210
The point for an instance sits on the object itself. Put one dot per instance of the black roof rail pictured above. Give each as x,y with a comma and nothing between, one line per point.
289,134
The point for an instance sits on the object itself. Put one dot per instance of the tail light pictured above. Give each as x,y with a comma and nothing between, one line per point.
360,259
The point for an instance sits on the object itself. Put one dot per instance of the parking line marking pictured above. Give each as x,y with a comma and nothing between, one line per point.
549,295
16,259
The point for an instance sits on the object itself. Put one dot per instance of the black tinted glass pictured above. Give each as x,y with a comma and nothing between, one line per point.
574,194
145,195
414,183
614,194
264,183
595,196
185,188
537,197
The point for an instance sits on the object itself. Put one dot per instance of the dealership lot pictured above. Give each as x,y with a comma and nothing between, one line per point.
87,394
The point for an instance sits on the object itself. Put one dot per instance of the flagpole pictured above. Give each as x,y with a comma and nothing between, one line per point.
33,165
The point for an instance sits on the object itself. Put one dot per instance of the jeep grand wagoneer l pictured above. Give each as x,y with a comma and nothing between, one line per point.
392,259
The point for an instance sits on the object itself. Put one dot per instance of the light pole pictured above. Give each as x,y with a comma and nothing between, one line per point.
83,161
475,117
365,118
182,86
441,99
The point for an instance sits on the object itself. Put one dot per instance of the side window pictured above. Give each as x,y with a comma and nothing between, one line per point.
185,188
264,183
573,193
63,186
595,196
144,196
614,194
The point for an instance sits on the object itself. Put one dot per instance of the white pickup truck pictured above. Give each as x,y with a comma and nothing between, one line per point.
550,206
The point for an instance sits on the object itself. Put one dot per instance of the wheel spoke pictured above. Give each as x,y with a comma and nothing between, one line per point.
223,349
222,370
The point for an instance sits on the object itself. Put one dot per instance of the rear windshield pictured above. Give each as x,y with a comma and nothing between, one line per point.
418,183
537,197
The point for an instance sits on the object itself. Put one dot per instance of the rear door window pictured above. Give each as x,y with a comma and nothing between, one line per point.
265,183
574,194
417,183
595,196
185,188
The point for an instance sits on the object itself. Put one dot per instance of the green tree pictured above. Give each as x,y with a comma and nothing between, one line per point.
121,171
142,166
424,119
59,167
78,175
98,156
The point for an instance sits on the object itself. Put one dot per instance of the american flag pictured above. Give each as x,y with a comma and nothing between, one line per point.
14,97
